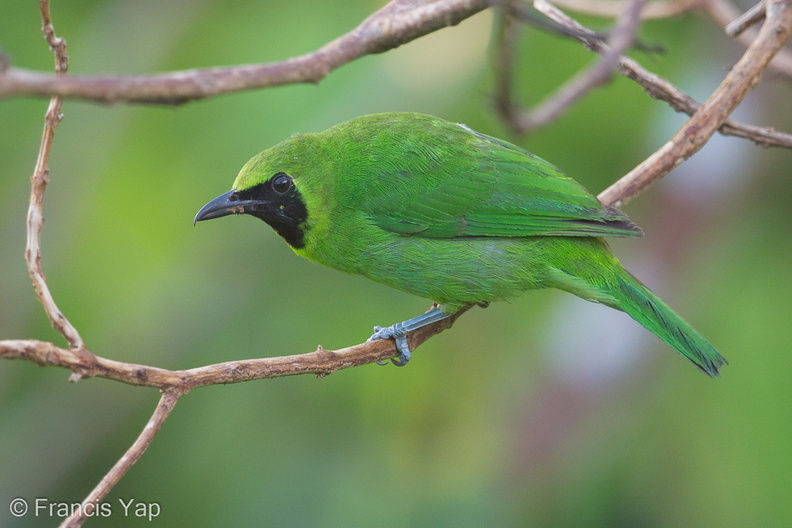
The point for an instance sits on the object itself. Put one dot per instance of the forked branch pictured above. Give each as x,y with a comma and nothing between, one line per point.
39,180
654,85
319,362
619,40
398,22
772,36
119,469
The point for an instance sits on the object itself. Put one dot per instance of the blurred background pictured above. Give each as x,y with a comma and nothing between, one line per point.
546,411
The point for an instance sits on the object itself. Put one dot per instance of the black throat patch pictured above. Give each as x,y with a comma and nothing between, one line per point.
285,212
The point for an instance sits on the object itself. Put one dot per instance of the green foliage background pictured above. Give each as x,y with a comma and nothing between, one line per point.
544,412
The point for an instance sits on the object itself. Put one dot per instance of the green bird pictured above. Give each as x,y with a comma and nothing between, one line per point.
438,210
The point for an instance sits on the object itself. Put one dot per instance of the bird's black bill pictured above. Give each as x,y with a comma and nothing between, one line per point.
223,205
281,208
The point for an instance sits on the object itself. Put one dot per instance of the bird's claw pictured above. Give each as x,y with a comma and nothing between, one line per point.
400,337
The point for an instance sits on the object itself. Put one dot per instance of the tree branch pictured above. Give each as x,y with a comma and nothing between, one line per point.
320,362
654,85
132,455
612,8
741,23
39,180
601,72
736,25
712,114
399,22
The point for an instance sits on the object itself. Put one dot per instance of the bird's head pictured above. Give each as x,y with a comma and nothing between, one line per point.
267,187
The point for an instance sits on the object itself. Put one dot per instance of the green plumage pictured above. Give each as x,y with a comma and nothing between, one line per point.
440,211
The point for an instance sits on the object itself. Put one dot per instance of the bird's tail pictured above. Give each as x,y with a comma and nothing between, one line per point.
641,304
620,290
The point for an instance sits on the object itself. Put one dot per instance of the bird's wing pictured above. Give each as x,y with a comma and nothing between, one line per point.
490,189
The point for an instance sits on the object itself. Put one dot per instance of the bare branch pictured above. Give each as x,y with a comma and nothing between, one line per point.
601,72
725,13
612,8
399,22
663,90
39,180
505,39
658,87
711,115
320,362
746,20
119,469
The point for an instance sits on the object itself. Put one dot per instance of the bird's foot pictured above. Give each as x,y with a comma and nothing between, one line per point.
399,331
398,334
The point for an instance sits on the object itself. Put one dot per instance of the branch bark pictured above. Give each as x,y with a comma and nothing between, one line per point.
132,455
612,8
39,180
713,113
736,25
601,72
320,362
399,22
654,85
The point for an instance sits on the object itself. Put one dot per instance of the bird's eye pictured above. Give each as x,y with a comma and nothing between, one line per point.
281,183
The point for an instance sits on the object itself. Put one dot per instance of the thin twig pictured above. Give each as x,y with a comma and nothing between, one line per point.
412,18
660,88
320,362
39,180
119,469
663,90
724,13
505,35
711,115
612,8
753,16
601,72
522,12
399,22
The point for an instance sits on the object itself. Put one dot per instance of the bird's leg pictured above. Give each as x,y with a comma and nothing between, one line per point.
399,333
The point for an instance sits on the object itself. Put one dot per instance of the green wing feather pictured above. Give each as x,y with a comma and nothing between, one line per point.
454,182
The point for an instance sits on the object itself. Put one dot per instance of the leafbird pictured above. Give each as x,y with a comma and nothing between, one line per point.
436,209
